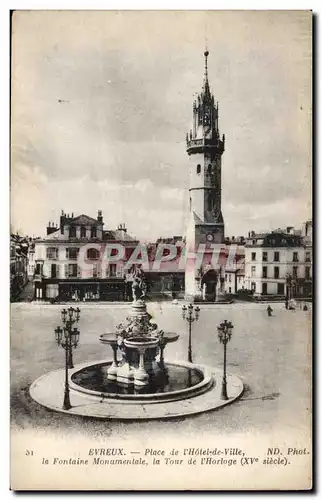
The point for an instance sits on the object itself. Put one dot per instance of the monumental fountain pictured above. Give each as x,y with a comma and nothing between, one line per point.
138,382
138,366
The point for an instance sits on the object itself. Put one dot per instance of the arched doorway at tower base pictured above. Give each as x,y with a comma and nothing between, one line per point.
208,286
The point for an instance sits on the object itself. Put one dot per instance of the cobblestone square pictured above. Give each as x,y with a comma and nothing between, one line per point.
272,356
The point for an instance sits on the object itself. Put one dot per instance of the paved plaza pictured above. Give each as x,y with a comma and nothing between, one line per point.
270,355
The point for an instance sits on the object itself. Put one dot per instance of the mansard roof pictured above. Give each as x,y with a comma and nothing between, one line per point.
52,236
275,239
117,235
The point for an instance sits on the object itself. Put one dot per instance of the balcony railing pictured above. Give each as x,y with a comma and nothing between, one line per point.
195,143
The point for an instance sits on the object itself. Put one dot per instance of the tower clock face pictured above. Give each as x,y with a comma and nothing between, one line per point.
210,237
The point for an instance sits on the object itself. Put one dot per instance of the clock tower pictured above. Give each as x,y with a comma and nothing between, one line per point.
205,147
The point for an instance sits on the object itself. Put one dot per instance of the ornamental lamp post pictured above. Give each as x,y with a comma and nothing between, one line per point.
64,342
63,315
224,334
68,338
190,314
70,316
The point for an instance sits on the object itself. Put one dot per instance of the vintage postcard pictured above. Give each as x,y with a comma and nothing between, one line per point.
161,250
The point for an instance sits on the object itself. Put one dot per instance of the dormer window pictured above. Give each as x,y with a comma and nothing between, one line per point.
83,232
198,169
93,232
72,232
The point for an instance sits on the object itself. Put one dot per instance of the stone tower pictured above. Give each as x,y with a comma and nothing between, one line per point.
205,148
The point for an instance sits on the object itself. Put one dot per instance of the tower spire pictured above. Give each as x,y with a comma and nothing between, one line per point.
206,83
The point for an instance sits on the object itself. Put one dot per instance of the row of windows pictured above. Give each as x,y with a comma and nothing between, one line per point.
73,271
228,277
72,231
277,256
277,272
280,288
275,241
72,253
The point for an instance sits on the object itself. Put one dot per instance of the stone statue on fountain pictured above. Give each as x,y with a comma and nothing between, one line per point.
140,341
138,285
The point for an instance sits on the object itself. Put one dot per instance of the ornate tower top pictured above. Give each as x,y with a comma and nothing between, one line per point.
206,83
205,127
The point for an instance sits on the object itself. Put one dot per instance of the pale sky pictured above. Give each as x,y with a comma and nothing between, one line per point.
117,141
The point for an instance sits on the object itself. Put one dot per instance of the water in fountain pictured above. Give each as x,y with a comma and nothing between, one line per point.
175,378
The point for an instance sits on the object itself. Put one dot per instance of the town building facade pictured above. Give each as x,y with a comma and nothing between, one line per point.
235,267
57,272
279,264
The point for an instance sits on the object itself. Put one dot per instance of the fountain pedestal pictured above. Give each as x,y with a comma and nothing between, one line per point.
146,366
140,342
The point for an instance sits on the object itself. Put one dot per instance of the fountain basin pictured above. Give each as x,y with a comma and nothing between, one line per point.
111,338
108,338
84,380
141,342
169,337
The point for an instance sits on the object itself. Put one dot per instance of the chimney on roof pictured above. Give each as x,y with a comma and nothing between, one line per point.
121,227
72,215
50,228
99,217
62,219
